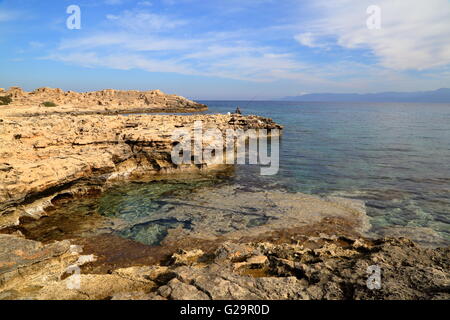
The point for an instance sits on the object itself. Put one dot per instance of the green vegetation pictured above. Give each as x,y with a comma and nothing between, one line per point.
49,104
5,100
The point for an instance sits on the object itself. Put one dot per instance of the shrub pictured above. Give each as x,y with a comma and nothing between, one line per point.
49,104
5,100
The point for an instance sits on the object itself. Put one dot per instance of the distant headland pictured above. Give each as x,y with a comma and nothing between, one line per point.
441,95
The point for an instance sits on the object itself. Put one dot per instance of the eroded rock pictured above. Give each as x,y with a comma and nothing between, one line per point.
72,154
333,269
107,101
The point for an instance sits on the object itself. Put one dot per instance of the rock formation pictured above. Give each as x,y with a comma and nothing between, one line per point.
321,267
107,101
42,156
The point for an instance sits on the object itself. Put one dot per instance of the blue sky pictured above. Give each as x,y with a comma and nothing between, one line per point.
229,49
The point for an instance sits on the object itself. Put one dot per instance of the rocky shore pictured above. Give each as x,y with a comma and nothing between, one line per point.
319,267
47,101
229,242
307,248
44,156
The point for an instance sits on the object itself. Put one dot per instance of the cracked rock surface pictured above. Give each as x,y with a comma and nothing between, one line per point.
44,155
325,267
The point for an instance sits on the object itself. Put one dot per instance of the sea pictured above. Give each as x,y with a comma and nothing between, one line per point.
393,156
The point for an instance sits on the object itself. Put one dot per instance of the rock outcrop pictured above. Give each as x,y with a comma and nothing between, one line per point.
44,155
324,268
45,272
316,268
107,101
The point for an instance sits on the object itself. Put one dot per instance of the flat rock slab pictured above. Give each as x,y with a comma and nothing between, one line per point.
43,155
16,252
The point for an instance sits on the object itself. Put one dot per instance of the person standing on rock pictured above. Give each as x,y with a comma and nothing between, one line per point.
238,111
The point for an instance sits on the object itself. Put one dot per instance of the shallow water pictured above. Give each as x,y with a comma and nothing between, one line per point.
393,156
133,210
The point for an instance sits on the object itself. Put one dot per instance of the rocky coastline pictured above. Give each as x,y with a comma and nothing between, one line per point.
48,101
306,267
45,156
307,248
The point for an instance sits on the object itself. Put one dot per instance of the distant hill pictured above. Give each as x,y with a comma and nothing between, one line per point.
440,95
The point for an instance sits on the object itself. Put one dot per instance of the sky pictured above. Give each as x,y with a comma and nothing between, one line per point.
227,49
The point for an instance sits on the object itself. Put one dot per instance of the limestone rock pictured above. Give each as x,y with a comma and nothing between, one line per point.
335,269
186,257
32,270
45,155
177,290
104,101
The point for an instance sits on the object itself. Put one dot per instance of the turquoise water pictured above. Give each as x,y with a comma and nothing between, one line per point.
395,156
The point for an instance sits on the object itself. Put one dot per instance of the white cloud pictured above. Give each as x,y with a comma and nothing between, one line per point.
143,21
414,34
128,41
122,61
140,39
307,39
141,42
257,64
